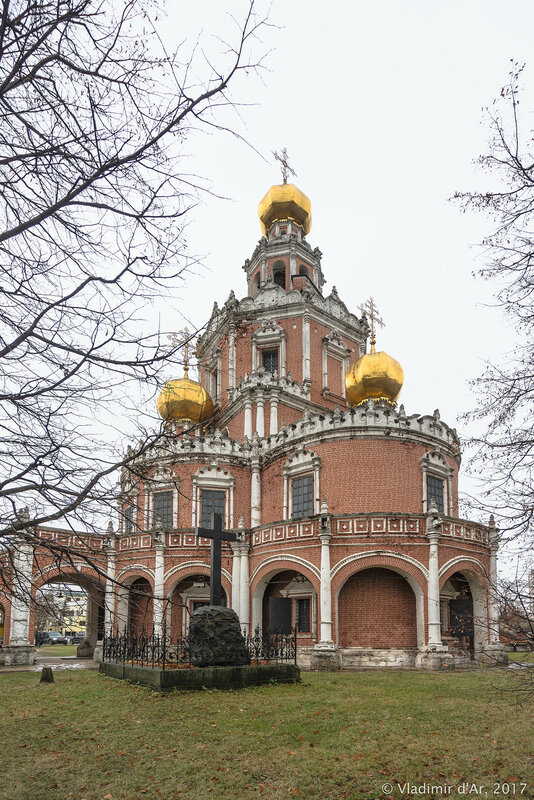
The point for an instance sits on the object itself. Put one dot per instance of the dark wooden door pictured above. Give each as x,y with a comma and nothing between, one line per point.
280,614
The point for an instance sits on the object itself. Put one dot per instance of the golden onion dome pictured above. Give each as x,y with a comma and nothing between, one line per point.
285,201
184,399
374,375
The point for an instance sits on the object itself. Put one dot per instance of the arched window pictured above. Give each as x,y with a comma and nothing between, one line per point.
303,270
256,283
279,274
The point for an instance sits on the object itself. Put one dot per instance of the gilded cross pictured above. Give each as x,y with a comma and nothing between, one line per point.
369,307
285,165
185,343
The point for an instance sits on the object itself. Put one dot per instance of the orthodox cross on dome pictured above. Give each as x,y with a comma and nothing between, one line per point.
369,308
185,343
285,165
217,536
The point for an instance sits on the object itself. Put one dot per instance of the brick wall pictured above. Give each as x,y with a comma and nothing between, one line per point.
377,609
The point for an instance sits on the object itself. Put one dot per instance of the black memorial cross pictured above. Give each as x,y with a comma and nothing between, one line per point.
217,536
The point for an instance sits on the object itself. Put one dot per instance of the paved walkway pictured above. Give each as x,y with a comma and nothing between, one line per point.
56,662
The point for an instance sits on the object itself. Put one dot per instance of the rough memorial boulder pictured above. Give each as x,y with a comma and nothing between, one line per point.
216,638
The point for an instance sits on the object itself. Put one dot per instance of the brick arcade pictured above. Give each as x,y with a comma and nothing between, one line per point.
345,504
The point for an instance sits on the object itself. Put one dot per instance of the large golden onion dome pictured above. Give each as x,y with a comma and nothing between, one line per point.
374,375
184,399
285,201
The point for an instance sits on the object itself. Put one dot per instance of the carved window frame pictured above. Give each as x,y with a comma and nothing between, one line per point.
161,481
269,337
435,464
213,367
218,479
303,462
335,347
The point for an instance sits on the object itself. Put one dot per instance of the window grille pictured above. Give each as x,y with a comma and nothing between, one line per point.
162,509
303,497
213,502
303,614
269,360
434,490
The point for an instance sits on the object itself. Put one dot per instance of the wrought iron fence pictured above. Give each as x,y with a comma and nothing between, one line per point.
272,646
165,652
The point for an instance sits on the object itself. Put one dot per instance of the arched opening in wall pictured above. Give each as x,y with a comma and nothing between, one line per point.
377,609
188,594
289,602
279,274
463,613
140,607
303,270
2,623
70,606
256,284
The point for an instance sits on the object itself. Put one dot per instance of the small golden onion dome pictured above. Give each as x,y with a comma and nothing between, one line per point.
285,201
375,375
184,399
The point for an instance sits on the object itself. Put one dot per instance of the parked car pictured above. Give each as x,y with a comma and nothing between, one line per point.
75,638
54,637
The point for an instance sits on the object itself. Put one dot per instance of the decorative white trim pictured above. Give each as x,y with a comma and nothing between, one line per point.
301,463
286,557
135,568
36,576
335,347
457,560
380,554
435,464
218,479
270,335
188,565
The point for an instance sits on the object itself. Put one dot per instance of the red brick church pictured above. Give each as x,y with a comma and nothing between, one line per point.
345,504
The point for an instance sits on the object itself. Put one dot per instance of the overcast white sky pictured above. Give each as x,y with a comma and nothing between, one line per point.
380,105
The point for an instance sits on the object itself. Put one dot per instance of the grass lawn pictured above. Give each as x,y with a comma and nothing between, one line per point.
57,650
339,735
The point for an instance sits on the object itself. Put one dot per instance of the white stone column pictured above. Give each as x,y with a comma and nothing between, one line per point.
273,422
244,599
306,347
255,493
434,622
159,574
493,599
236,576
109,597
231,357
260,414
326,589
247,431
21,596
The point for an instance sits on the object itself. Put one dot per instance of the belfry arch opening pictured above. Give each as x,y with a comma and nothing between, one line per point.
279,274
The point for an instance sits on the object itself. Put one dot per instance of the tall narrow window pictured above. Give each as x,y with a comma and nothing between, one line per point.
434,488
162,509
302,497
129,519
269,360
213,501
279,277
302,614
